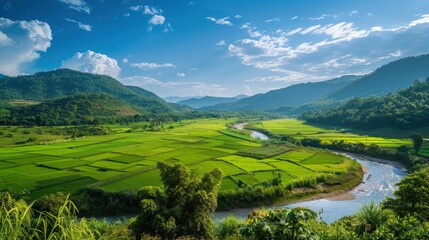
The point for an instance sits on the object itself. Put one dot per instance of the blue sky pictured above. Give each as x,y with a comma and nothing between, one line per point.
219,48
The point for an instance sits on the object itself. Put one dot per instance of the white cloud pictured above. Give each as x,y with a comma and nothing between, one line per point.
150,10
347,50
147,66
78,5
238,16
157,19
221,21
181,75
127,14
272,20
21,42
175,88
294,17
220,43
92,62
310,29
353,12
136,8
293,32
125,60
82,26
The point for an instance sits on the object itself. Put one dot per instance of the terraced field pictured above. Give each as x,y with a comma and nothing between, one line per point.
299,129
127,160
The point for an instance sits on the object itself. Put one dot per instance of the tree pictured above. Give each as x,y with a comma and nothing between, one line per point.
412,195
185,206
417,141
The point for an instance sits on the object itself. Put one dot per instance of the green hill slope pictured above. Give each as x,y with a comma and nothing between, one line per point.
405,109
386,79
64,82
294,95
71,110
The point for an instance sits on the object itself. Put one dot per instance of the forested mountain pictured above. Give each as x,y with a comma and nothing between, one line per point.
386,79
407,109
71,110
64,82
209,101
2,76
294,95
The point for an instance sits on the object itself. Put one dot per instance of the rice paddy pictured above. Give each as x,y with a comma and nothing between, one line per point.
299,130
126,159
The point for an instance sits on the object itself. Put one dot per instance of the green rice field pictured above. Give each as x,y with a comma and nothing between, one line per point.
126,160
299,129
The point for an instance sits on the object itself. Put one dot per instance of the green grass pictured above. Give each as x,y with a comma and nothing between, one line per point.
127,160
387,138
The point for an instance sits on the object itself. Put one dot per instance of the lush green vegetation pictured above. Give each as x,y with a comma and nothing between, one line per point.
327,136
182,210
126,159
406,109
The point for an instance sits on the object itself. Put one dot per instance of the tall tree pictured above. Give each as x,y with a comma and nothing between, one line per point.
185,206
417,141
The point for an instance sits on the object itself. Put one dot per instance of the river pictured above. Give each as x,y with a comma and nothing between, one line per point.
378,182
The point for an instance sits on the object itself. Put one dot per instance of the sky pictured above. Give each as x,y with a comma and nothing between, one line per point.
206,47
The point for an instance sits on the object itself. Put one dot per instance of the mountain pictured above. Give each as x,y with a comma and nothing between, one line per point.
175,99
2,76
76,109
406,109
387,79
294,95
209,101
64,82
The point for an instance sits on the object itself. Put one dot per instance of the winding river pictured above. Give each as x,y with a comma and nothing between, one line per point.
378,182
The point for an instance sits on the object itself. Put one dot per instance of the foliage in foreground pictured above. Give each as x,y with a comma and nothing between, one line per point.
184,208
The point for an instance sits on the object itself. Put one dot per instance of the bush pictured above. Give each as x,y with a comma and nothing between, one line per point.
229,227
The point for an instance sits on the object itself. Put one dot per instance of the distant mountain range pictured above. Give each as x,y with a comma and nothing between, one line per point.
294,95
299,98
175,99
2,75
209,101
45,86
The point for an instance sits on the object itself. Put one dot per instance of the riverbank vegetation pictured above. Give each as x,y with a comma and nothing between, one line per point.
181,209
379,143
113,164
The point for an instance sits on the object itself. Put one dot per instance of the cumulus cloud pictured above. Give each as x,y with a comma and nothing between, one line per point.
221,43
221,21
347,50
136,8
78,5
92,62
157,19
21,42
125,60
181,75
147,66
238,16
82,26
150,10
171,88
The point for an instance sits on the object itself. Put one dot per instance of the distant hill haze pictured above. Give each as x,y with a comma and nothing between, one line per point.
387,79
45,86
294,95
297,98
209,101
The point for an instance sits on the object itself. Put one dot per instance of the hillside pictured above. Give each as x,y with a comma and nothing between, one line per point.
71,110
2,76
405,109
294,95
209,101
64,82
386,79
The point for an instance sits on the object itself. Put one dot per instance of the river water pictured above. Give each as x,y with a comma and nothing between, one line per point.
378,183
